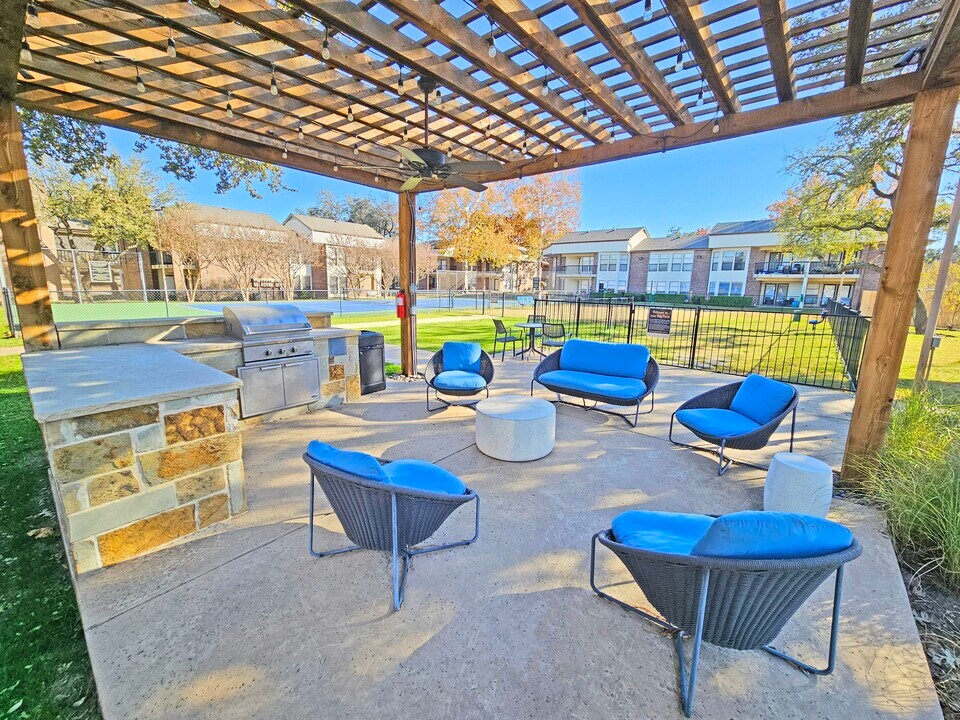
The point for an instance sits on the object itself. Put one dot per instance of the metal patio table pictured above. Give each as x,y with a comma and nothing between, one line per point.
532,327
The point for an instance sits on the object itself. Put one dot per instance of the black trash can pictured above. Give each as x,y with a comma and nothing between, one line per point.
373,376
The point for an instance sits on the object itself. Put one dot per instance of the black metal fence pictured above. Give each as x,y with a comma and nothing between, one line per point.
796,347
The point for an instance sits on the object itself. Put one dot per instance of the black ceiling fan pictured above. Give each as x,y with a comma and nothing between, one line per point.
426,163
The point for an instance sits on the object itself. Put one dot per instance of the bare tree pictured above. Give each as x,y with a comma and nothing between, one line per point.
240,253
180,232
285,254
427,260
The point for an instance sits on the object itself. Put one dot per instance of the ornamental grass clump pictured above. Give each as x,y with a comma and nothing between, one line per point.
916,478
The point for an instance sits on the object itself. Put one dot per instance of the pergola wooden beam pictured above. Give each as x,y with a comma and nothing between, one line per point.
858,28
941,61
844,101
699,40
521,22
776,33
605,22
440,24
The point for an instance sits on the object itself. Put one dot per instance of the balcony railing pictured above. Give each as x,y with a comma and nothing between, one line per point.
576,270
799,267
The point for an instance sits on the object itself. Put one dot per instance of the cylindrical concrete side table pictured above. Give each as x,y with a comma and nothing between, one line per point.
798,484
516,428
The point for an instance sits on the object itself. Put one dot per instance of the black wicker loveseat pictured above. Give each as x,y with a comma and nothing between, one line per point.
610,373
388,506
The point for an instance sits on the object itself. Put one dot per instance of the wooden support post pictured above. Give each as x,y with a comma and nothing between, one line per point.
408,281
930,126
18,222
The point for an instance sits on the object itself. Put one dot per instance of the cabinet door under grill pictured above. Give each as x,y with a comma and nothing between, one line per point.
262,389
301,381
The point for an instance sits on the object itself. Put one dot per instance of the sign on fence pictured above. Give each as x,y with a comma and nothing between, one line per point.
494,298
659,320
100,272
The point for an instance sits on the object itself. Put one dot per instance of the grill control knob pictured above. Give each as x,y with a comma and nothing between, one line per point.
293,349
267,353
280,351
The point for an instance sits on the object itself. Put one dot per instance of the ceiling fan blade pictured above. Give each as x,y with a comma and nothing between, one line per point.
411,183
474,166
410,156
460,181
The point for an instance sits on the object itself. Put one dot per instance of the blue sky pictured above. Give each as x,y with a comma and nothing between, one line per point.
690,188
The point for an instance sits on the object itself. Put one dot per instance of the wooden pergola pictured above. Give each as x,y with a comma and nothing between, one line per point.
328,86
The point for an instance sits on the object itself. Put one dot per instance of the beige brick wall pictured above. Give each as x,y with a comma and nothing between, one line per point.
129,481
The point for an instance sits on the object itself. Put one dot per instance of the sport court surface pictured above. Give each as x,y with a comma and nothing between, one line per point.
243,623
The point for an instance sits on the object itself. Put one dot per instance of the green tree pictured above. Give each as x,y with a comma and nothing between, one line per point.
844,189
379,213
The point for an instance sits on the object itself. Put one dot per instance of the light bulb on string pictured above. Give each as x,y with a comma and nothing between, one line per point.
33,16
300,131
171,45
400,83
439,97
700,95
25,54
284,153
679,64
376,176
229,105
556,161
648,10
140,86
356,148
544,89
716,126
336,165
214,4
406,131
325,48
350,113
274,88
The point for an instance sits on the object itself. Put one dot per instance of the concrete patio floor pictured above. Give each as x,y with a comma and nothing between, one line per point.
243,623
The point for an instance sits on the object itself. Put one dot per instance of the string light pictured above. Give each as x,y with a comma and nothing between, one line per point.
406,131
229,105
325,51
556,161
140,86
350,113
214,4
716,126
356,148
679,66
486,130
25,54
491,47
400,83
700,95
274,88
544,89
376,176
300,130
171,45
33,16
612,139
648,10
336,165
523,148
438,97
284,153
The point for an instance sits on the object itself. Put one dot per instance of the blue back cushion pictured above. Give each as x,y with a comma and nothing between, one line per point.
761,399
461,356
616,359
664,532
421,475
348,461
759,535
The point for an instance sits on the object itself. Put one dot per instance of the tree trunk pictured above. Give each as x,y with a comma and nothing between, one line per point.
919,316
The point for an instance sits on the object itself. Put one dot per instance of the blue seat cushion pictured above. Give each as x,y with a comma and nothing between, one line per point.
420,475
761,399
717,422
660,531
772,535
610,386
348,461
459,380
461,356
616,359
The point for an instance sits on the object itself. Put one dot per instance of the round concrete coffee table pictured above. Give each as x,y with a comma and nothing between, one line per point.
516,428
798,484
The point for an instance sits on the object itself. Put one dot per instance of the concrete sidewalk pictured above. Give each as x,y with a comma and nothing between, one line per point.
243,623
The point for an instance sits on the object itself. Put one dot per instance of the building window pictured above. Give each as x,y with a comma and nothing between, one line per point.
621,285
736,288
711,288
729,260
659,262
442,264
676,262
724,289
624,262
604,259
684,286
687,262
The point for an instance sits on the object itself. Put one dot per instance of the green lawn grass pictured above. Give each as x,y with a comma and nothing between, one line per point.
6,339
44,668
945,373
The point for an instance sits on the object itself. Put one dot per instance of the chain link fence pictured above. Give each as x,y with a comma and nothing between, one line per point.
804,348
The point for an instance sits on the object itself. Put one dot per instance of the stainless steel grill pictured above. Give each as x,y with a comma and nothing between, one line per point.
279,369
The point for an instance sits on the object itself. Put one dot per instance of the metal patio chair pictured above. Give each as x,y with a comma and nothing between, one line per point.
736,603
504,336
391,518
553,335
459,382
744,433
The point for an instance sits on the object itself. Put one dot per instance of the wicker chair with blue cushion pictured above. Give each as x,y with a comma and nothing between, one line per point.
611,373
732,581
740,416
460,369
388,506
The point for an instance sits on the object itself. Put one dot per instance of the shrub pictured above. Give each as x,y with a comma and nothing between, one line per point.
916,479
669,298
730,301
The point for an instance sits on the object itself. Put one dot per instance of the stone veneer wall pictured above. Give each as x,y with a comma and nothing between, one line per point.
128,481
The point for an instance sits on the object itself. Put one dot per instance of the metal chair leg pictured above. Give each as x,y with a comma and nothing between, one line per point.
459,543
793,427
636,611
834,632
313,488
688,686
722,466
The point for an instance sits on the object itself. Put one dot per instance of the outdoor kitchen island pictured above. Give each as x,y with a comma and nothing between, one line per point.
143,438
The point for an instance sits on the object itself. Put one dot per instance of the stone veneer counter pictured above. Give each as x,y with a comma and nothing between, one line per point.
143,446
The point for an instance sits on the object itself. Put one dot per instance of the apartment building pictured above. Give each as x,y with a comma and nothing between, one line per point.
456,275
592,260
747,259
350,257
